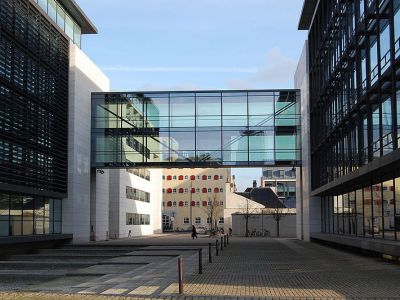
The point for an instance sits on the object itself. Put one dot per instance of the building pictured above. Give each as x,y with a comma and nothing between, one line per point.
47,186
135,202
282,181
200,197
194,197
348,75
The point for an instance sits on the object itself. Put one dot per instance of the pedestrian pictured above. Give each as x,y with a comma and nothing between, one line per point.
194,232
129,233
230,231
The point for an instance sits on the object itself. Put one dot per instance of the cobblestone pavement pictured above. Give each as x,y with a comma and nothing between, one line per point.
257,268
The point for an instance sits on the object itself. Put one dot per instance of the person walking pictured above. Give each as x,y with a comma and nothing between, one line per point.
194,232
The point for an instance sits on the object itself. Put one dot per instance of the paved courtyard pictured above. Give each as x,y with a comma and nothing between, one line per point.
247,268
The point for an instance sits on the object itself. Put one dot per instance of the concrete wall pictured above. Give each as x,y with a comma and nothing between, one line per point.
287,224
308,208
84,77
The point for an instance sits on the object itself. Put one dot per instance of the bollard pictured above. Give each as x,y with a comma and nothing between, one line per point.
216,247
200,261
225,241
209,253
222,244
180,275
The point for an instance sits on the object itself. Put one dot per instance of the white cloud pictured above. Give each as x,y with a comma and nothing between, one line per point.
278,70
120,68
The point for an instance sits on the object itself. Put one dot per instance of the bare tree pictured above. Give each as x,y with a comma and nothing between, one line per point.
213,210
248,211
278,212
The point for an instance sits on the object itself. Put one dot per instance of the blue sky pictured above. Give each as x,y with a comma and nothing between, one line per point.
189,44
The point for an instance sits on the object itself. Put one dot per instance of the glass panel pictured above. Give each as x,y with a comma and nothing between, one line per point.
376,142
182,111
57,209
69,27
352,213
235,145
43,4
397,30
397,212
60,17
368,223
359,209
208,145
39,215
377,210
387,143
27,215
4,214
373,58
77,35
234,109
15,215
48,228
184,145
285,144
261,146
52,10
208,111
384,40
157,111
388,209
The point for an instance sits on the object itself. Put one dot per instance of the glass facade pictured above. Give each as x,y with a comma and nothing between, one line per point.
354,116
370,211
354,105
58,14
34,67
217,128
29,215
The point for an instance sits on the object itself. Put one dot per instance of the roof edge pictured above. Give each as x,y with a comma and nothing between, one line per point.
79,16
307,14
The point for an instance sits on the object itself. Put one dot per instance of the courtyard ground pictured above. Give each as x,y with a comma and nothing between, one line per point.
265,268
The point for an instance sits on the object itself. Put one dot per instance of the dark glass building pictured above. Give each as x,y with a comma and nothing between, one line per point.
34,66
354,101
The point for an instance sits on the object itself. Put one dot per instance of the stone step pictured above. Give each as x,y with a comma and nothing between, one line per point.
61,258
43,265
83,251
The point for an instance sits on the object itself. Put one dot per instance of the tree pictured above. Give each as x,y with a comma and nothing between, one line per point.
278,212
213,210
248,211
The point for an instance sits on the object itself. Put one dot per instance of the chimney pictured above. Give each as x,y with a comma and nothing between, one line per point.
254,183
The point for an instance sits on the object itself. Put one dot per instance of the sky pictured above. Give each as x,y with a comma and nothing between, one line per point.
196,45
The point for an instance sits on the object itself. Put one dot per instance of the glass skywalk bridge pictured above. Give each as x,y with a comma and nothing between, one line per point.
196,129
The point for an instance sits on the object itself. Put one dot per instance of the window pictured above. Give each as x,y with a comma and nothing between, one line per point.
174,191
163,203
221,203
281,173
174,203
209,177
197,203
221,190
137,219
216,177
209,203
60,17
204,190
185,220
208,220
268,174
186,203
169,190
169,177
192,177
197,190
136,194
216,190
180,177
180,203
221,220
174,177
163,190
163,177
169,203
209,190
198,176
198,220
186,190
186,177
204,177
181,191
221,176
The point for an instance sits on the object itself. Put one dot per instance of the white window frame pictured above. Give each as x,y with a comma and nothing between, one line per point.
186,220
